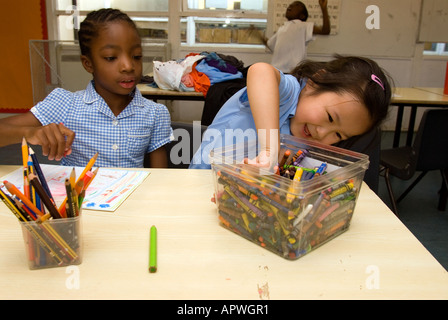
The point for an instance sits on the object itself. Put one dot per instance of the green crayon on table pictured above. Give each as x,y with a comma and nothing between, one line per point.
153,250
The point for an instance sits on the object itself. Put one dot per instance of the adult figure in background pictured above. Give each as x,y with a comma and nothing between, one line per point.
289,49
289,43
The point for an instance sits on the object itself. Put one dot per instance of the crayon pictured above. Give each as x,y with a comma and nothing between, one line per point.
344,188
153,250
298,174
321,169
284,158
298,157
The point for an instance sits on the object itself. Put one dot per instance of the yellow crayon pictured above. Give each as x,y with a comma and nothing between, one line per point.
298,174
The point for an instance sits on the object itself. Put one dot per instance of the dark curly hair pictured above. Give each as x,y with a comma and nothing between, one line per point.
94,21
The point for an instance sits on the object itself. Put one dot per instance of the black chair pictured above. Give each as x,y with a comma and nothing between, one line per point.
428,152
368,144
187,139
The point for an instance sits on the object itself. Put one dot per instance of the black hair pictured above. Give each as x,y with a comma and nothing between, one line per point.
359,76
94,21
304,10
303,13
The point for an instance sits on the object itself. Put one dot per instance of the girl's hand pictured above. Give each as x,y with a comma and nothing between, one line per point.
55,139
265,159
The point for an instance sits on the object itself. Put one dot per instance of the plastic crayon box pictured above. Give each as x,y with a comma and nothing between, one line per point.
288,216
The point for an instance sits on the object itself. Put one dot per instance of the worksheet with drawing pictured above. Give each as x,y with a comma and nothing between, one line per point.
107,191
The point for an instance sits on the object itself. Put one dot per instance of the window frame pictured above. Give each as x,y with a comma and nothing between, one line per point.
441,50
177,10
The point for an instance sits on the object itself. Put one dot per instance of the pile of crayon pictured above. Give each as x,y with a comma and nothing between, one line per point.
51,234
285,220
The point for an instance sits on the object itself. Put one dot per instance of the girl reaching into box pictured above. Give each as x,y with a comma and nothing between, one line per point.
327,102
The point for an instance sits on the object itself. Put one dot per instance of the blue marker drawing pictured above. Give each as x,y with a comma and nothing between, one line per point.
106,205
90,204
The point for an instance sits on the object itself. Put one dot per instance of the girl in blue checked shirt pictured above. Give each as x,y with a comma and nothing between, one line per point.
110,116
327,102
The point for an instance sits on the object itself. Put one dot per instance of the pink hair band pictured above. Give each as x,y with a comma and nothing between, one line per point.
377,80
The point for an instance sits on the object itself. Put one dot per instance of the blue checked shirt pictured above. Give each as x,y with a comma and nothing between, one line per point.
121,141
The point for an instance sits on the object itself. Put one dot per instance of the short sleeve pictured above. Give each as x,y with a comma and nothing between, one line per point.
54,108
161,131
309,31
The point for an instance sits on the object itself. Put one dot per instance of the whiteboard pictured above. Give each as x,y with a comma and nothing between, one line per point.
396,37
314,13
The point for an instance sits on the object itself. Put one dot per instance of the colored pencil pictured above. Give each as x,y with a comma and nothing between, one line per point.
13,190
153,250
81,177
44,196
40,174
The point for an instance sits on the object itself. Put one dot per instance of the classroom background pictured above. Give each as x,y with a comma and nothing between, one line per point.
406,37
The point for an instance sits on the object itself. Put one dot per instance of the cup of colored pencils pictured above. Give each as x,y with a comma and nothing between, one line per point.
52,234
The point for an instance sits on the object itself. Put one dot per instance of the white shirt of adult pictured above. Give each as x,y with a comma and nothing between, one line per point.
289,44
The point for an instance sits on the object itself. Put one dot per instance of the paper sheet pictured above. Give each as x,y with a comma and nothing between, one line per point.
106,192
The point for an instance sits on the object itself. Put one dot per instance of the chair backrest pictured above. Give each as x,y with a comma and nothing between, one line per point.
431,141
187,139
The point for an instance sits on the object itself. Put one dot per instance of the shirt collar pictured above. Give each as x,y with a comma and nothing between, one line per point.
91,96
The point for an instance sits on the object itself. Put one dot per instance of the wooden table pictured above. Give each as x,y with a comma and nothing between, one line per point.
438,91
377,258
414,98
160,94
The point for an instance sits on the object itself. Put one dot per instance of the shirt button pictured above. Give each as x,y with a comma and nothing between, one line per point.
115,122
115,147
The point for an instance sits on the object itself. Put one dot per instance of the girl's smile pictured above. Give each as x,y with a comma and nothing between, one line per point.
329,117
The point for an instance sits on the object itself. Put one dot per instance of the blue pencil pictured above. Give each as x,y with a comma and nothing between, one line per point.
40,174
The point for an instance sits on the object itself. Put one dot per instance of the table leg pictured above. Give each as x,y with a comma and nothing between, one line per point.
410,134
443,190
398,122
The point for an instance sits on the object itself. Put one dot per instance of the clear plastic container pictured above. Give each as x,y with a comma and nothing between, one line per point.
283,215
53,243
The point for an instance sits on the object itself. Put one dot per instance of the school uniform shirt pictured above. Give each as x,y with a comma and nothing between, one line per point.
289,44
121,141
234,121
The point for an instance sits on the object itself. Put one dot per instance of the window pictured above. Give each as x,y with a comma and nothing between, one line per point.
223,21
436,49
151,17
208,22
